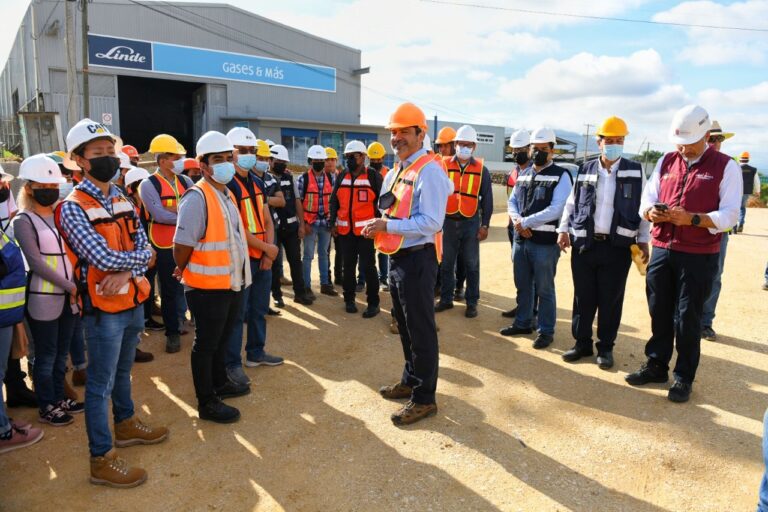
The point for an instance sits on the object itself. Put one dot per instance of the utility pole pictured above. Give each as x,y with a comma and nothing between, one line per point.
69,38
86,96
586,141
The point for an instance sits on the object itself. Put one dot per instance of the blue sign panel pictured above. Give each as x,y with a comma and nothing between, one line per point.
198,62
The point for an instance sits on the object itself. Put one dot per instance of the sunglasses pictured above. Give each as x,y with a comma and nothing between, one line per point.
718,138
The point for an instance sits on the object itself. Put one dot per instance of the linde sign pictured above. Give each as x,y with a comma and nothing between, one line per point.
173,59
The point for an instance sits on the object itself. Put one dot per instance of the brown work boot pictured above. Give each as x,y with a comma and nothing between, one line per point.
112,471
132,431
69,391
78,377
393,326
413,412
396,391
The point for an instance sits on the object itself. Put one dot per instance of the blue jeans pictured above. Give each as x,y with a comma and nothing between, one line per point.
708,314
254,310
535,266
762,504
460,237
743,210
52,339
6,337
112,339
322,237
181,306
77,345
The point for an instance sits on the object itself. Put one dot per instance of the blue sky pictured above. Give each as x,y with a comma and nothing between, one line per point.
518,69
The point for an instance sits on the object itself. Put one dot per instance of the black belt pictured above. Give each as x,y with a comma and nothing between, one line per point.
413,248
457,217
599,237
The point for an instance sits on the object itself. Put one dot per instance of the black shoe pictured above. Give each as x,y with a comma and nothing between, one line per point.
577,352
542,341
458,294
509,313
605,360
442,306
308,293
20,396
219,412
231,390
471,312
371,311
273,312
279,303
350,307
648,372
303,299
709,334
680,391
513,330
360,287
153,325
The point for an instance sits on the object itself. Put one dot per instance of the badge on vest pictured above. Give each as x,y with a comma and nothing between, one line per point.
705,176
626,191
540,194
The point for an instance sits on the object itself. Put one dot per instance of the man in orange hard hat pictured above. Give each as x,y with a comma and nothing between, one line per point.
412,201
445,141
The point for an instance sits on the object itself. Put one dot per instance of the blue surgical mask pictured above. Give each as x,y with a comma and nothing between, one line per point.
613,151
178,166
464,152
246,161
65,189
223,172
262,167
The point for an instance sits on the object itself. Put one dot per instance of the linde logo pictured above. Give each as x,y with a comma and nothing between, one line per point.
124,53
119,53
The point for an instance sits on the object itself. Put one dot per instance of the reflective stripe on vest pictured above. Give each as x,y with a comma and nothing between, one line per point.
466,186
356,203
161,235
13,284
52,247
251,211
313,198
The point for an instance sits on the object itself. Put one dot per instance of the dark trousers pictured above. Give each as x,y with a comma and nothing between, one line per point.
354,247
412,278
460,238
289,240
338,260
599,278
677,284
52,339
170,289
150,302
461,271
215,312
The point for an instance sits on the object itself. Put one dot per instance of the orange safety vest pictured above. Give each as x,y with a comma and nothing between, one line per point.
208,266
119,230
466,186
252,211
384,170
312,196
402,188
161,235
357,203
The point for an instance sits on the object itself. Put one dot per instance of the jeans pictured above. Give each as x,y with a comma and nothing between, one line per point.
383,266
149,304
353,248
535,267
254,308
181,306
170,289
112,339
762,503
77,345
289,241
216,312
460,237
51,350
708,314
743,210
6,337
321,236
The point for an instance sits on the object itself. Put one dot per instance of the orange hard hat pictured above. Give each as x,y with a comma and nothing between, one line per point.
407,115
445,135
130,151
744,156
191,163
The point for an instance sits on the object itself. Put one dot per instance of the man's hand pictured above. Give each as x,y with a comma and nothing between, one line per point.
518,225
152,258
334,231
563,241
679,217
482,233
644,249
112,283
271,251
301,231
375,226
265,263
177,273
658,216
307,229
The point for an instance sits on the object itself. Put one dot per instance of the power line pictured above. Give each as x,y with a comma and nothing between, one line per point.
36,37
592,17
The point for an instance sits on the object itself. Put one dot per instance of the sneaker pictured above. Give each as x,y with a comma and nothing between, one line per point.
650,371
396,391
443,306
680,391
55,417
413,412
172,343
142,357
265,360
153,325
231,390
328,289
218,412
384,286
709,334
308,293
371,311
238,376
112,471
79,377
542,341
133,431
350,307
71,406
19,437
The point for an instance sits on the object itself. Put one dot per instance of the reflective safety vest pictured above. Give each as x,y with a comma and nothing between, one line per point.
466,186
119,231
384,170
357,203
209,264
251,211
161,235
13,284
313,197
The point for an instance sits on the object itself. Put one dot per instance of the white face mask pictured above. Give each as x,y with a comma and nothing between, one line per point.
463,152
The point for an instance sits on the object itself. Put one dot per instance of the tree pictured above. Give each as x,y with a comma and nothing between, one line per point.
651,156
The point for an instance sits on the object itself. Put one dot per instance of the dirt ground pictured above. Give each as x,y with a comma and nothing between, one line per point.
517,428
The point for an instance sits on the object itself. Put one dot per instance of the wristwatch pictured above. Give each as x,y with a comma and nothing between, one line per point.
483,227
695,220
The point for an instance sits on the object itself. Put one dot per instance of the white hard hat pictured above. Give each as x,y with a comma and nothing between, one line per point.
427,143
355,146
135,174
41,169
279,152
541,135
213,142
689,125
84,131
4,176
519,139
270,143
466,134
241,136
316,153
125,161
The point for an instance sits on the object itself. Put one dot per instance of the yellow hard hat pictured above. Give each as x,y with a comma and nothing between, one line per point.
376,150
262,148
330,153
165,143
613,127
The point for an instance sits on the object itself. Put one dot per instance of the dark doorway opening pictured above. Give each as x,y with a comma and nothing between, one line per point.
150,106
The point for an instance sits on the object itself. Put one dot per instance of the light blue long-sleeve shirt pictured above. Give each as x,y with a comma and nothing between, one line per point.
430,196
552,212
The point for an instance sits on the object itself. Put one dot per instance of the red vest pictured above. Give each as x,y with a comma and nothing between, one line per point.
697,190
313,196
356,203
252,212
466,186
161,235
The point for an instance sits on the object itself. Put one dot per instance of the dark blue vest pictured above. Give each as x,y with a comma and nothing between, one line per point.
626,203
533,192
286,216
13,282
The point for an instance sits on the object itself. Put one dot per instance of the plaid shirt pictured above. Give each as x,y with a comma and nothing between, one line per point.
322,214
91,246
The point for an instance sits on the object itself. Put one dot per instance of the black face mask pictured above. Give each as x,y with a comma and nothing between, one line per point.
377,166
279,167
5,193
103,168
351,162
318,166
45,196
196,178
540,157
521,158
